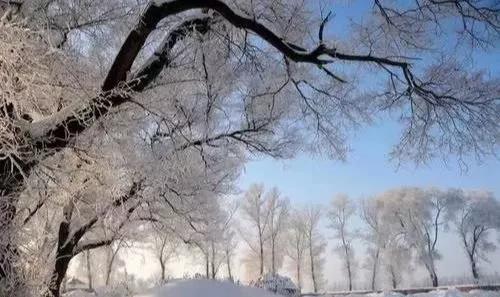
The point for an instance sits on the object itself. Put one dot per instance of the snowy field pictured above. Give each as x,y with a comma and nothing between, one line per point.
440,293
187,288
210,288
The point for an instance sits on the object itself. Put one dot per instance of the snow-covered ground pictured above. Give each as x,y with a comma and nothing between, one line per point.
210,288
207,288
189,288
452,292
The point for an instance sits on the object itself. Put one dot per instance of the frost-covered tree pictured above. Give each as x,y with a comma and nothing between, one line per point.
297,245
397,260
376,235
478,215
419,216
238,75
267,214
230,245
165,247
316,244
387,251
215,238
340,214
254,208
278,215
113,260
223,244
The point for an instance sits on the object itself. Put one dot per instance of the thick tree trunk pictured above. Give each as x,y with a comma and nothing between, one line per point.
64,255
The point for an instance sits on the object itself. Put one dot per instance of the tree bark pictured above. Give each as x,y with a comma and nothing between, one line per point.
432,272
163,269
89,269
435,282
349,274
273,256
67,245
311,259
109,269
228,263
213,260
394,280
207,266
374,269
474,270
64,254
348,264
434,277
261,254
299,277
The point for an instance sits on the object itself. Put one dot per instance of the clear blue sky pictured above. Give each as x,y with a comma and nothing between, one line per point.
368,171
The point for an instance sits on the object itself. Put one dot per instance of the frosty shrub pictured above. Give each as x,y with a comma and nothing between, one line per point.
278,284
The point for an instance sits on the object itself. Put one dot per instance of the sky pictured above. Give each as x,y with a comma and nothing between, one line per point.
368,170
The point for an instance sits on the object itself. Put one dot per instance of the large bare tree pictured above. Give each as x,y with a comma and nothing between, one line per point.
266,86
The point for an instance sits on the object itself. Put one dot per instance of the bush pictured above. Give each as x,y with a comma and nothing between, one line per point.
277,284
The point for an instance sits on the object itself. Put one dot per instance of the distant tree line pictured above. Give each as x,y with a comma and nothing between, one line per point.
400,228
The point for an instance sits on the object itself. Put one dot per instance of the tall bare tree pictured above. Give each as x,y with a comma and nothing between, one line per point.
316,243
166,247
478,215
278,216
297,244
255,209
341,212
377,234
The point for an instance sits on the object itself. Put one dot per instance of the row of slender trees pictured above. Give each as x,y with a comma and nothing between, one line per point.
399,228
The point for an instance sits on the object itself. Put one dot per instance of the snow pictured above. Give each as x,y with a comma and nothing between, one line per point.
480,293
211,288
206,288
451,292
